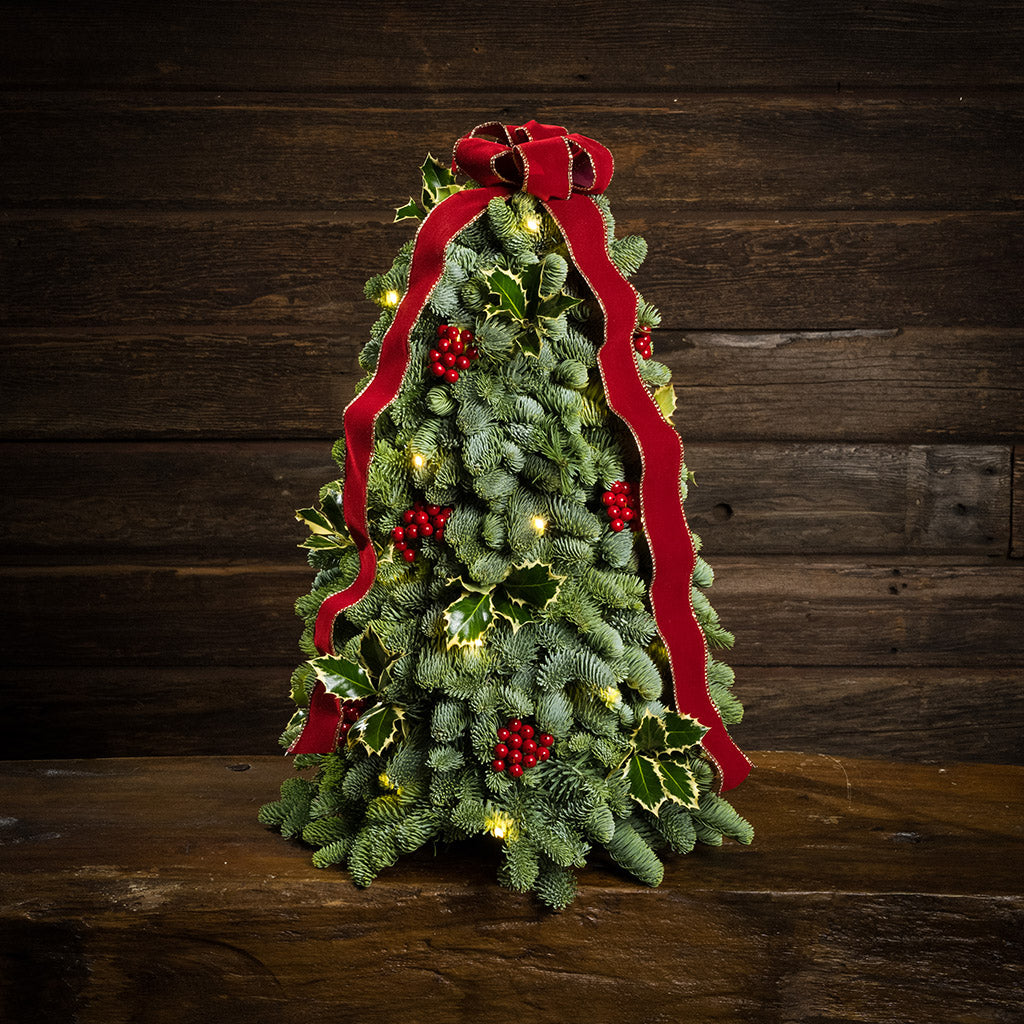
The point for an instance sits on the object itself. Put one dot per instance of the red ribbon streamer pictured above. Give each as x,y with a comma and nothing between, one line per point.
561,170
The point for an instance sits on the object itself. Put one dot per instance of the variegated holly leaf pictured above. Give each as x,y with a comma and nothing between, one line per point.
645,785
315,521
376,729
342,677
680,786
506,608
438,182
322,542
511,299
373,654
535,585
665,399
650,733
552,307
681,732
411,211
468,618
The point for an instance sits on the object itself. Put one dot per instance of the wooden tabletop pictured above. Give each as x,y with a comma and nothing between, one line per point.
143,890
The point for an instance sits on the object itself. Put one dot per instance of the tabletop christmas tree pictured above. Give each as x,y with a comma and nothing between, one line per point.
507,631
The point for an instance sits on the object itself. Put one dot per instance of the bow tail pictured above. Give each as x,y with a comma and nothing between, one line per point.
661,452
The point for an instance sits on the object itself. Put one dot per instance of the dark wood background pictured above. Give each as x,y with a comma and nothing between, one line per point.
194,193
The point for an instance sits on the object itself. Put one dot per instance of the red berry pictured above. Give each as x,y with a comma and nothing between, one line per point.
449,359
344,728
422,517
515,756
627,514
398,533
618,525
515,724
515,770
409,555
500,750
473,352
453,333
614,512
407,516
426,530
451,376
439,533
444,344
529,747
417,506
433,355
437,369
412,531
503,734
627,488
543,753
515,741
647,354
457,346
526,731
608,498
432,510
498,766
530,760
462,363
467,336
400,545
351,712
545,739
619,487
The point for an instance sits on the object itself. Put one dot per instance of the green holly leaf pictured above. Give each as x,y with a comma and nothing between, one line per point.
510,295
315,521
506,608
554,306
343,677
679,782
373,654
468,618
321,542
645,785
438,182
376,729
665,399
650,733
411,211
681,732
535,585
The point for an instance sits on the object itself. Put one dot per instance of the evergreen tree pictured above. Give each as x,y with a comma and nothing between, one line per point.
504,674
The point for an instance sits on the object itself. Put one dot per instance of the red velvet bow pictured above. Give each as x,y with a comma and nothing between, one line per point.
562,170
542,159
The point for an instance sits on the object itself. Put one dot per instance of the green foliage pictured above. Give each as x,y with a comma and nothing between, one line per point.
529,607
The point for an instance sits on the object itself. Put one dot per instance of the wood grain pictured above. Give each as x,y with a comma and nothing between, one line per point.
852,904
344,152
918,385
923,611
217,502
904,714
704,46
808,271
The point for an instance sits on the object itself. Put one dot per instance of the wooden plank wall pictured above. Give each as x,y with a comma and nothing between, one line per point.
194,193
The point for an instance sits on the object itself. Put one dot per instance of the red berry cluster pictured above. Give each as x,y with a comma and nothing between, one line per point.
350,712
620,504
454,351
519,749
419,521
642,342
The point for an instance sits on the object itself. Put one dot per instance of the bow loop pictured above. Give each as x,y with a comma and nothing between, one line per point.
542,159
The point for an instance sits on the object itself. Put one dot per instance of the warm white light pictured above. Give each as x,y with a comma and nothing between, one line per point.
478,642
417,461
533,224
539,524
391,297
501,826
